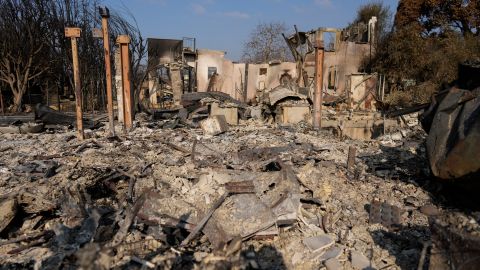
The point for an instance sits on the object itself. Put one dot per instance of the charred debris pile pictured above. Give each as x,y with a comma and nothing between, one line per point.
203,187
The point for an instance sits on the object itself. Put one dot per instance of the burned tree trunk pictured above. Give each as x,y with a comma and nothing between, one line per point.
17,101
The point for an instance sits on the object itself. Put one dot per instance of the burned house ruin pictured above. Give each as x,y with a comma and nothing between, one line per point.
200,162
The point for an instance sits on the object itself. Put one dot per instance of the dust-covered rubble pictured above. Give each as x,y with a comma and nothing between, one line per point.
254,197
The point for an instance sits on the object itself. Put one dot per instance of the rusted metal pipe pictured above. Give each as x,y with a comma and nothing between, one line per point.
317,102
124,40
73,34
108,70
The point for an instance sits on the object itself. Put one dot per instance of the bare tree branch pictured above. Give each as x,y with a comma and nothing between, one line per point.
266,44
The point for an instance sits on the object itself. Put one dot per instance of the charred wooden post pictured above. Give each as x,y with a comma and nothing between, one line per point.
317,102
74,33
104,12
124,41
352,152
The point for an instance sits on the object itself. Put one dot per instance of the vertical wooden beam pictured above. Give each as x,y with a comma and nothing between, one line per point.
127,94
78,89
352,153
124,40
108,69
317,102
74,33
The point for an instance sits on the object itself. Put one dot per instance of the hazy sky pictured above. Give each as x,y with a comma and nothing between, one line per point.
225,24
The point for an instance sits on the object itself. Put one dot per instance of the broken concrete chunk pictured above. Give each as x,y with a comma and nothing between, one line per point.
360,261
333,264
230,113
243,215
171,212
318,243
314,179
214,125
7,212
294,114
333,252
286,210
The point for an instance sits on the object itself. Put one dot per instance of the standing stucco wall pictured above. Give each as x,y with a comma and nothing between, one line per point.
348,59
238,80
231,79
270,80
231,76
205,59
255,80
226,78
